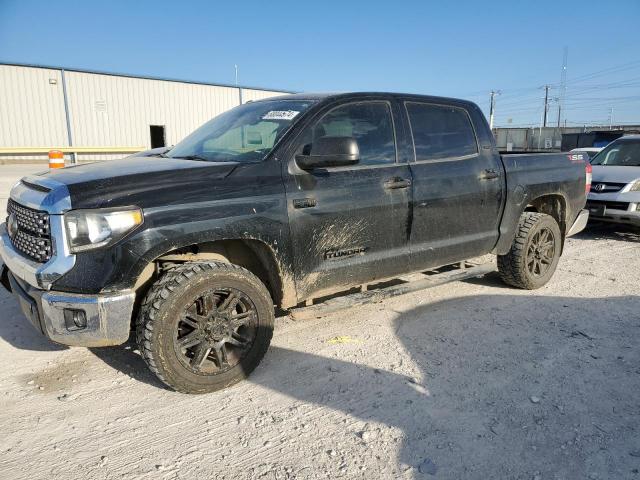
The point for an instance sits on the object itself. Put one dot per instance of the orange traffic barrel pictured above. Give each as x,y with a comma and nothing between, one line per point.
56,159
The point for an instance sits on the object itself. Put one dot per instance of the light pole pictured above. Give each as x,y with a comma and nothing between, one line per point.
546,105
610,118
492,106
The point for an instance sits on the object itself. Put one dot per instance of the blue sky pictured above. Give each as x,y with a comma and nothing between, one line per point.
463,49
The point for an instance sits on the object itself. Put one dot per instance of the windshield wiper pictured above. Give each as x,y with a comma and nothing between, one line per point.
193,157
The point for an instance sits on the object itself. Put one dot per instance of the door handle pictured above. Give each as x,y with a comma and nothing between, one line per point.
397,182
489,174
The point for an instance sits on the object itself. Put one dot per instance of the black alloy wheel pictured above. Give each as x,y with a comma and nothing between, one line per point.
541,252
216,331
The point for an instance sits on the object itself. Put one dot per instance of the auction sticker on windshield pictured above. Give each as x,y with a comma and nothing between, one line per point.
280,115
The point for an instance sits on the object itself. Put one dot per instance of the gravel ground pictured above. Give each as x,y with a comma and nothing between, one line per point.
470,380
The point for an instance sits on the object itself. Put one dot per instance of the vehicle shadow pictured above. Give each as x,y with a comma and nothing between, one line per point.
16,329
497,382
610,231
126,359
491,279
483,386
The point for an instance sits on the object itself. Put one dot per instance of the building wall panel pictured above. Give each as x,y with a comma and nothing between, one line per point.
31,108
113,111
105,110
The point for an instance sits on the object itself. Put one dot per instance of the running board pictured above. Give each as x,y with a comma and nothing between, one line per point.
367,295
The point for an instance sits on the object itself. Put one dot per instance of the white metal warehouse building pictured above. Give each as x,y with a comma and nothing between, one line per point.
101,116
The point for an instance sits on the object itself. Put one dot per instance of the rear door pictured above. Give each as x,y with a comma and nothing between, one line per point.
349,224
458,186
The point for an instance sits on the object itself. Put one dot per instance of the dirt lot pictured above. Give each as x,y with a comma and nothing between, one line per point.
466,380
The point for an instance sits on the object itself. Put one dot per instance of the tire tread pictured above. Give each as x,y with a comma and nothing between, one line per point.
158,295
511,265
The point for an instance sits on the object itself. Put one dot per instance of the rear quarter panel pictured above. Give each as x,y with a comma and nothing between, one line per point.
531,176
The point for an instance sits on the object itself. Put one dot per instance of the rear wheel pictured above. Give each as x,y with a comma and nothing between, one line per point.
205,326
534,253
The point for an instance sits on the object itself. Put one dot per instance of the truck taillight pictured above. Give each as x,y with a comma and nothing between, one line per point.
588,176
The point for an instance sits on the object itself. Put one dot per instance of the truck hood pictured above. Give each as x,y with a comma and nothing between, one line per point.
604,173
141,181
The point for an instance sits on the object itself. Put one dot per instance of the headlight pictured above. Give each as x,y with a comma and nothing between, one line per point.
635,187
88,229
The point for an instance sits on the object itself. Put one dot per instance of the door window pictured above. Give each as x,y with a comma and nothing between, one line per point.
370,123
440,131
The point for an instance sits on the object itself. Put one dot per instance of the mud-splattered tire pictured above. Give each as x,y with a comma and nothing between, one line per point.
205,326
534,253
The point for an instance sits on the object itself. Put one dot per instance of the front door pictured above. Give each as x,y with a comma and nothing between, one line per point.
349,224
458,188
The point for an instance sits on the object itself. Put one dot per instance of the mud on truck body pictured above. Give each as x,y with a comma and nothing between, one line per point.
269,205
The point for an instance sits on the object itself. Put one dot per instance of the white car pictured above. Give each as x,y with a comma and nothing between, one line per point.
590,151
615,187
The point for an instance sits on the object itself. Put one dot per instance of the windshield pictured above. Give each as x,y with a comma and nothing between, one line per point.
619,154
244,134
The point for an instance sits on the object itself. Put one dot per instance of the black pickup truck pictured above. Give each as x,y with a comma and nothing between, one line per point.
273,203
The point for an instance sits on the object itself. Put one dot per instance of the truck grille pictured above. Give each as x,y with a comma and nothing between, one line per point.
33,236
606,187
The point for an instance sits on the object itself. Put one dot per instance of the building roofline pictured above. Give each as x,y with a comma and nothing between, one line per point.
143,77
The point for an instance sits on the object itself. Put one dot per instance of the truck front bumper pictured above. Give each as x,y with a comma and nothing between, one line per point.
67,318
74,319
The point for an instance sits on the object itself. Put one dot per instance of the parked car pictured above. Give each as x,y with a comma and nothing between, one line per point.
615,191
273,203
589,151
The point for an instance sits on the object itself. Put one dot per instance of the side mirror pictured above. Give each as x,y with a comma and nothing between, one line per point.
330,152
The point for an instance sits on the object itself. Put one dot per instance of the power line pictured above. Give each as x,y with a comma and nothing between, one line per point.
606,71
574,95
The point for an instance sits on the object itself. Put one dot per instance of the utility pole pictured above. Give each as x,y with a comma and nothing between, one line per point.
610,118
563,83
546,105
239,94
492,106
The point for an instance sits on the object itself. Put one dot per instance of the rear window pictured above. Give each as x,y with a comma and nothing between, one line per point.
440,131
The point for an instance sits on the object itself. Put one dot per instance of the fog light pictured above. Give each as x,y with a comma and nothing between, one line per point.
75,319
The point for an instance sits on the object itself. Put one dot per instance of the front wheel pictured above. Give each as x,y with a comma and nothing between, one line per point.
205,326
534,253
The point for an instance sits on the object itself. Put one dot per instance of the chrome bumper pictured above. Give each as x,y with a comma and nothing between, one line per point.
580,223
107,317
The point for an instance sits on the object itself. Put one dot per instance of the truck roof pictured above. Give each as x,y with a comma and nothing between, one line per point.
338,95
